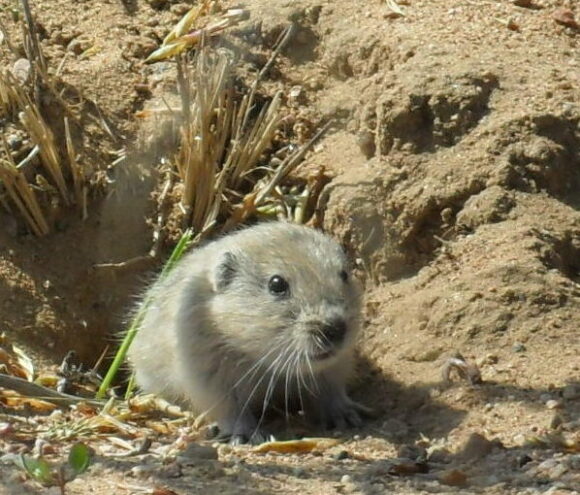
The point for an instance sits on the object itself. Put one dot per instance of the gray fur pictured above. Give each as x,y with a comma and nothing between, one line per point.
215,337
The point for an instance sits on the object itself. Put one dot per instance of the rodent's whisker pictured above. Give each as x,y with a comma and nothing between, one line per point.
271,385
256,386
246,318
287,366
253,370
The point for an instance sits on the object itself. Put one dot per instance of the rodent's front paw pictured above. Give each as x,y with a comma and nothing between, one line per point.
254,437
344,413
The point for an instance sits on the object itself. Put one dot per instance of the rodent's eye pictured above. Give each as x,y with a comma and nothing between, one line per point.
344,276
278,286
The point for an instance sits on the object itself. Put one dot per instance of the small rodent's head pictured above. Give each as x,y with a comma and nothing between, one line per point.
283,293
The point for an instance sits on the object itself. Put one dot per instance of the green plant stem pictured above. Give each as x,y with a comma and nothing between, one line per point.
121,354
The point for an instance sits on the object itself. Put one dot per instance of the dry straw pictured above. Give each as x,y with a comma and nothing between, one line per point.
224,144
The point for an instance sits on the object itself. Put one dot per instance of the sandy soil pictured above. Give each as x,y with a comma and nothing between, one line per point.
455,152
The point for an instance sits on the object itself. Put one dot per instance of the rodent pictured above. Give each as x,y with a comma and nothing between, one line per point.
267,313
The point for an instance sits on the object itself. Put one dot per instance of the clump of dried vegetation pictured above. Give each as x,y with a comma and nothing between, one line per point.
26,175
46,174
223,162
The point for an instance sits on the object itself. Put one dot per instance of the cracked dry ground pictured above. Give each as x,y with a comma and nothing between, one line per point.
456,157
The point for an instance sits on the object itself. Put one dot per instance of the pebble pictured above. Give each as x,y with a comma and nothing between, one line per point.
180,9
487,360
553,404
169,471
15,142
476,447
556,421
297,95
552,468
196,451
6,429
157,4
21,70
545,398
453,477
346,479
366,142
342,455
565,17
75,46
412,452
523,460
141,471
298,472
441,455
518,347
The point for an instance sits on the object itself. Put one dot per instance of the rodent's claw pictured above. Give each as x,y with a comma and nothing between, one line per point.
346,413
255,438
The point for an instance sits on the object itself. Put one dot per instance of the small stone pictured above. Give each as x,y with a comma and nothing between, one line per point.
346,479
15,142
180,9
552,468
297,96
556,422
342,455
407,467
512,25
75,47
523,460
441,455
6,429
453,477
553,404
545,398
143,89
518,347
158,4
366,142
476,447
488,359
520,439
141,471
412,452
523,3
196,451
21,70
565,17
170,471
298,472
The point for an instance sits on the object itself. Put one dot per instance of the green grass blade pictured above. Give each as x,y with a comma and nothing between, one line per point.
119,359
79,458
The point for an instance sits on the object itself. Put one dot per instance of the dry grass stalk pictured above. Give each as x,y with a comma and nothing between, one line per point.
17,99
76,170
21,193
41,135
205,135
11,94
222,146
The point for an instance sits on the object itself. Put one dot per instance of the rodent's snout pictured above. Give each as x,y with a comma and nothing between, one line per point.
334,331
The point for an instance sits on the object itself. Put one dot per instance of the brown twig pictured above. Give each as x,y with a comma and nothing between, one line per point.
30,389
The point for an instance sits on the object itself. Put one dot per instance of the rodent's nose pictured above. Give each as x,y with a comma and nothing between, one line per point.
334,330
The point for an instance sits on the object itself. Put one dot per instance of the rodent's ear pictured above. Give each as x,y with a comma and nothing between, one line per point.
225,271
